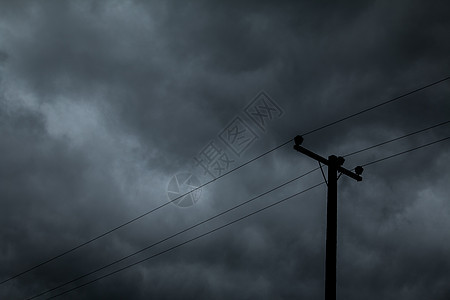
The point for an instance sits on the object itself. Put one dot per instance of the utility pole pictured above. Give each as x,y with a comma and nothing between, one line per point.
334,164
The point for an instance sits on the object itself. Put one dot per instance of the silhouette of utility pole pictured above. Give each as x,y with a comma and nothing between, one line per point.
334,164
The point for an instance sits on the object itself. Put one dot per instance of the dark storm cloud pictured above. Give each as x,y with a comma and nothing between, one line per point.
102,102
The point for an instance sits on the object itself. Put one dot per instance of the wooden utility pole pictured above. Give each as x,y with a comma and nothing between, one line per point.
334,164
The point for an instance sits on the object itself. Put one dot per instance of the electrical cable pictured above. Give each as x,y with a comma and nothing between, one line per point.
398,138
222,213
188,241
221,176
378,105
404,152
174,235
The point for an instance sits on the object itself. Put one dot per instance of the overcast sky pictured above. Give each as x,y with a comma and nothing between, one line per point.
104,105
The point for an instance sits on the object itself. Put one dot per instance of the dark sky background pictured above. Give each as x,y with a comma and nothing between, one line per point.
102,102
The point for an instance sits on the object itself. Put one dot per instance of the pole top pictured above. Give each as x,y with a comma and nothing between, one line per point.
298,140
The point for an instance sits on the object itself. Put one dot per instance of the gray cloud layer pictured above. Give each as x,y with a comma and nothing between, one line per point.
102,102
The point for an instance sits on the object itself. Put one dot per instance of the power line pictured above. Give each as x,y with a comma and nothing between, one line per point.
221,176
213,230
188,241
397,138
378,105
403,152
232,208
139,217
174,235
213,217
226,211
